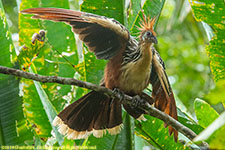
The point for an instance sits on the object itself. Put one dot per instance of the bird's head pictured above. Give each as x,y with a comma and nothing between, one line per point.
147,34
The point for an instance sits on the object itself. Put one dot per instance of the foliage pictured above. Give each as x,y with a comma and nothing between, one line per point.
159,137
213,13
207,11
181,45
12,121
214,124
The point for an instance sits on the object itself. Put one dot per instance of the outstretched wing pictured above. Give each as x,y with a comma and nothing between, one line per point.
103,36
161,90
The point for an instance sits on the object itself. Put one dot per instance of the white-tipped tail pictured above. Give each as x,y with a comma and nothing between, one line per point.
73,134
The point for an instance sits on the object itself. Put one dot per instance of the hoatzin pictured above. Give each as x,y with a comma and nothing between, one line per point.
132,66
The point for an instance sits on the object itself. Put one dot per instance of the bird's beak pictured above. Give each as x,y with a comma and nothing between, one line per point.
154,40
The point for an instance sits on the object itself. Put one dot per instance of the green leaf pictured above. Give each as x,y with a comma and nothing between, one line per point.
152,8
108,8
203,109
48,107
33,108
7,47
213,13
216,140
214,133
214,124
154,132
13,127
61,38
217,94
187,121
34,111
132,13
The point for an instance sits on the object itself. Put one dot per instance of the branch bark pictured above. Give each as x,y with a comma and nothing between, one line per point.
127,99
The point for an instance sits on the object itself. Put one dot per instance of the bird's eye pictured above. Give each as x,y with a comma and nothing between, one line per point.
148,33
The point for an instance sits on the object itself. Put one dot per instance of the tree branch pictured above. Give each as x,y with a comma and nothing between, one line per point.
127,99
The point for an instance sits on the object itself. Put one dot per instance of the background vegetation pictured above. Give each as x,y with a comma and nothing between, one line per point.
191,42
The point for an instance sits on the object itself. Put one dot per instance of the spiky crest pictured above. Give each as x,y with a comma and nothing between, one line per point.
147,24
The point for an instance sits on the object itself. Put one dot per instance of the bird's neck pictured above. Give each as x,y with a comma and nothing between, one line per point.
146,55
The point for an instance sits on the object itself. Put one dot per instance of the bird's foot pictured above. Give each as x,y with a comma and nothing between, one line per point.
137,101
119,94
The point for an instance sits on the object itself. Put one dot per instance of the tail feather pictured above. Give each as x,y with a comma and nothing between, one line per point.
93,113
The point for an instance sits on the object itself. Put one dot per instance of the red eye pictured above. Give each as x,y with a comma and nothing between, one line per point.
148,33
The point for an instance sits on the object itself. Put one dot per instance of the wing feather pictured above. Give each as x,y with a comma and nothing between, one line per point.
161,90
104,36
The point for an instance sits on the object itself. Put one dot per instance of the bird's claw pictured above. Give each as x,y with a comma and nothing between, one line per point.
119,94
137,101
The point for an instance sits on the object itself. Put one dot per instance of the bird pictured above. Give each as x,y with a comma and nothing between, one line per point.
132,65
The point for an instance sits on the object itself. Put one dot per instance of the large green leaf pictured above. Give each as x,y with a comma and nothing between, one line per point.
48,107
7,47
187,121
154,132
133,10
203,109
216,131
213,13
217,94
108,8
214,124
13,129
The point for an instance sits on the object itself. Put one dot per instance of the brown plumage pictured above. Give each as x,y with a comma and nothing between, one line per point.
132,66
